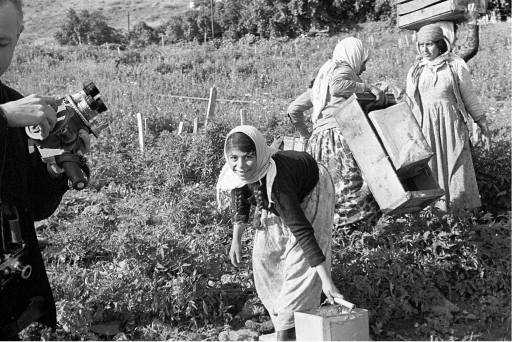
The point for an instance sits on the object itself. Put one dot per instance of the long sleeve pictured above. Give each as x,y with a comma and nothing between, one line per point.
344,82
297,108
240,205
469,47
468,93
297,176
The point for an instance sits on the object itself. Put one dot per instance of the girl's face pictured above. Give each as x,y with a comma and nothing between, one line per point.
429,50
242,163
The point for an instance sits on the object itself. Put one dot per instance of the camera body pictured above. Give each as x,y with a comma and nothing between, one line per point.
74,112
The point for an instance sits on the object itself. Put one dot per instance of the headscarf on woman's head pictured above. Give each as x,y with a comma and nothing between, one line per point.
350,51
448,28
229,180
431,33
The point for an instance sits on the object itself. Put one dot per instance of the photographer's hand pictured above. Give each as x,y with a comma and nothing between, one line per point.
33,110
86,139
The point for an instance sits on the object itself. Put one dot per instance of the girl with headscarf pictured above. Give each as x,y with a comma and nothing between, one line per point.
444,99
336,81
293,218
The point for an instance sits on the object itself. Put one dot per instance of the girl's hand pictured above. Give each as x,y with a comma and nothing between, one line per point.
235,253
328,286
331,291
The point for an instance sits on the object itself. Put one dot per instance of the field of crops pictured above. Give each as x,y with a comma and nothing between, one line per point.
141,254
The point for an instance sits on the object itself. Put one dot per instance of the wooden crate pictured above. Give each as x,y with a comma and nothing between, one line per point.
413,14
402,138
313,325
294,143
394,195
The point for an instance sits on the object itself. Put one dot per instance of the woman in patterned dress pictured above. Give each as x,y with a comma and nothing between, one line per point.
336,81
293,220
444,98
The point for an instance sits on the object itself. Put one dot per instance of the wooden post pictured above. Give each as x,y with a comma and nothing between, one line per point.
195,126
407,39
210,113
141,132
129,36
243,117
213,32
180,128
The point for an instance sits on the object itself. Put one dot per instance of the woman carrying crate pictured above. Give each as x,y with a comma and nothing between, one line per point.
293,198
336,81
443,94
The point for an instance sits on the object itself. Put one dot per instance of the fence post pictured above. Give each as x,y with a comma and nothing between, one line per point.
210,113
195,126
141,131
243,117
180,128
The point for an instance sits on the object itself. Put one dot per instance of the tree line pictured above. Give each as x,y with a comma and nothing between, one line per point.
233,19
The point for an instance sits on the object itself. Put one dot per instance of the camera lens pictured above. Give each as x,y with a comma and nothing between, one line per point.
101,106
91,90
91,103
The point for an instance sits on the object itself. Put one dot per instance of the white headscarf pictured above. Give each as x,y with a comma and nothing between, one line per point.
352,52
448,28
265,165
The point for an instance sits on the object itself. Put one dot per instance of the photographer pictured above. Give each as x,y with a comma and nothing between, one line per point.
30,190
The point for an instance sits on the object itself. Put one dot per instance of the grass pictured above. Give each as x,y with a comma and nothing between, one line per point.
140,246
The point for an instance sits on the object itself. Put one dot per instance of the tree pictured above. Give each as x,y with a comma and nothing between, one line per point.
142,34
87,28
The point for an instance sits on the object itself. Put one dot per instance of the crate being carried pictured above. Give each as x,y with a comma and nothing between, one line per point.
393,158
413,14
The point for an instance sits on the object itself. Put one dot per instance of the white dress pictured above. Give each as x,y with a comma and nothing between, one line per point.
444,96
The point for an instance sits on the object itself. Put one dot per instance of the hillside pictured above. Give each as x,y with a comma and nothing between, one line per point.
43,17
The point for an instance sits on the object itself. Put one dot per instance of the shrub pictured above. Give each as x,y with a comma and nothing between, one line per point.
86,28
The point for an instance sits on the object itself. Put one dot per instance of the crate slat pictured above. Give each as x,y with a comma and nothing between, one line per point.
412,6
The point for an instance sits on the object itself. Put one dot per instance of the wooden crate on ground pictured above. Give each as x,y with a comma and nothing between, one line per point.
413,14
393,194
316,325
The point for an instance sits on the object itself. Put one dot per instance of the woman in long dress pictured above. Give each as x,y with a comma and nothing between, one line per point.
336,81
440,85
293,197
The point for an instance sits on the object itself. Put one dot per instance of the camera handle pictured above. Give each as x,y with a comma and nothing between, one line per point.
76,169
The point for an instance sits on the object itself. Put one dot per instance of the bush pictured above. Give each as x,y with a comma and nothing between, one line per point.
87,28
493,174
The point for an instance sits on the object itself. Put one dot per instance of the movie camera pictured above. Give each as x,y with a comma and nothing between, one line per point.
61,146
